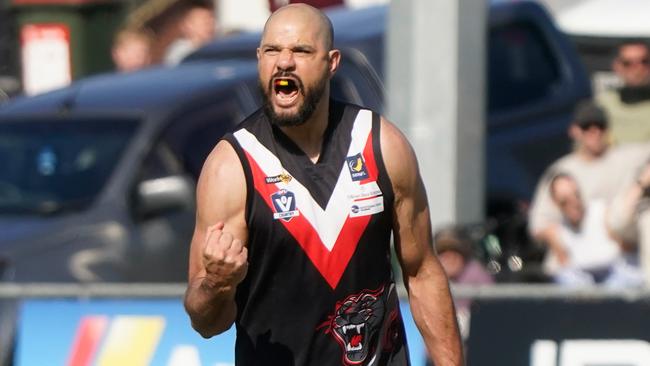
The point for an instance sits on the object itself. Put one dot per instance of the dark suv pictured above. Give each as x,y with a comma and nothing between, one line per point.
98,178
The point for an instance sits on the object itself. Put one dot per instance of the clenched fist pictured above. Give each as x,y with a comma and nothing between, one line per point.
224,258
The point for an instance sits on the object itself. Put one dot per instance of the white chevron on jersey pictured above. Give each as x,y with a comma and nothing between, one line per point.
329,222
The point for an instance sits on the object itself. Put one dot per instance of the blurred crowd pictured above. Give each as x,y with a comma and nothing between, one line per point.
590,206
134,46
590,211
189,25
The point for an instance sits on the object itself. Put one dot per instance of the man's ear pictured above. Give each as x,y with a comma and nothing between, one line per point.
257,52
334,60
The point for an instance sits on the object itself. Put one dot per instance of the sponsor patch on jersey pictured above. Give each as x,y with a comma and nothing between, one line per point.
363,191
367,207
284,203
357,167
284,178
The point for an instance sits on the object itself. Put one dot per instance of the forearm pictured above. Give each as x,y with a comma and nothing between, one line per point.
435,317
543,211
550,236
621,215
212,308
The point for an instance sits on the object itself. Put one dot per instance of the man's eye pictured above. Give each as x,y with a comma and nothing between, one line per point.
271,51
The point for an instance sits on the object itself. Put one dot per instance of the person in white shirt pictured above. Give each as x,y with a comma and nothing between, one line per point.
593,255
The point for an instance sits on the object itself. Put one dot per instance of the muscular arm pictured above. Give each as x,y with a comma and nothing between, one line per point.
425,280
217,253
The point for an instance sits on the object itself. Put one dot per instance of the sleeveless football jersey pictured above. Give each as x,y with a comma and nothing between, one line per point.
319,288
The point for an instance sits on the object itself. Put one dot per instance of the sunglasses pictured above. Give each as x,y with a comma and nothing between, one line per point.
591,125
631,62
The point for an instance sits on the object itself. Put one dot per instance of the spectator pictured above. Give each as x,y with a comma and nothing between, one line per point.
593,256
597,168
455,251
629,216
198,26
629,105
456,255
132,49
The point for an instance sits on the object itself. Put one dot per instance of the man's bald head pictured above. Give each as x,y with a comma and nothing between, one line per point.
295,64
307,14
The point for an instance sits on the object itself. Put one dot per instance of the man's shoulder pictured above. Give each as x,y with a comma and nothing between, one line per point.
632,150
607,98
569,164
565,164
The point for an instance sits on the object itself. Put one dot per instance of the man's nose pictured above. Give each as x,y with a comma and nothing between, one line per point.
286,60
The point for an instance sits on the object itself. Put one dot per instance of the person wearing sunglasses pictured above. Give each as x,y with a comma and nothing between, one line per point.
629,105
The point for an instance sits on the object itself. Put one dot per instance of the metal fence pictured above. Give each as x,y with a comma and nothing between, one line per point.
176,290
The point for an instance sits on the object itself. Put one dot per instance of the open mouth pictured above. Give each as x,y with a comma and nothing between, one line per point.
285,88
353,335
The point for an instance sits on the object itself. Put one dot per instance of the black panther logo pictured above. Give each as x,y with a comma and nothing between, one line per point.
356,323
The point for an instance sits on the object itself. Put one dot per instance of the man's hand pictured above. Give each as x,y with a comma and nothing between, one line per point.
224,259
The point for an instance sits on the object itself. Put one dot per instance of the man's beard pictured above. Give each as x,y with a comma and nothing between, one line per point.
311,98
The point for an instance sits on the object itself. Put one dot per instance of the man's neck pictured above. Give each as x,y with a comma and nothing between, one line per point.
635,94
587,155
309,136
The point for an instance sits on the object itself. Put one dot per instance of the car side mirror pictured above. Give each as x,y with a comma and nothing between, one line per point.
160,195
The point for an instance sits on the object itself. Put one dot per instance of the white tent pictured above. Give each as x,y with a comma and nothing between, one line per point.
605,18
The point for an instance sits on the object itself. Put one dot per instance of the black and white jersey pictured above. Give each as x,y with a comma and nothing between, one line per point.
319,289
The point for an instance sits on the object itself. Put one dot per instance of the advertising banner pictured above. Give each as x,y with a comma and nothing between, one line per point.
560,333
130,333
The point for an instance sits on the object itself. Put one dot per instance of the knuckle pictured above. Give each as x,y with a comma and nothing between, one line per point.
226,238
237,243
216,256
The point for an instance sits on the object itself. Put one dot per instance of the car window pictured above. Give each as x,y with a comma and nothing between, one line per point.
193,133
159,163
521,66
51,166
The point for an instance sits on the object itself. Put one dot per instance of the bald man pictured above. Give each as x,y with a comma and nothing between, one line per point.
294,219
